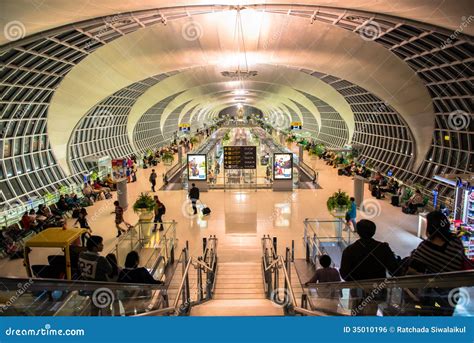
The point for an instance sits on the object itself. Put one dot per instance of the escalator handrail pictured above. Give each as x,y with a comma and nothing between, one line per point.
439,280
37,284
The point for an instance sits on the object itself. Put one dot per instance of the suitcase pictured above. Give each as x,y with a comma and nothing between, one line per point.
395,200
206,211
339,172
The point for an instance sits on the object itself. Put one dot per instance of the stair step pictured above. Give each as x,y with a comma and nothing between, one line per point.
257,291
256,285
243,307
239,296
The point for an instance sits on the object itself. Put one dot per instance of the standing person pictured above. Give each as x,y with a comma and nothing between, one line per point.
82,220
160,210
119,219
365,259
194,196
351,216
152,179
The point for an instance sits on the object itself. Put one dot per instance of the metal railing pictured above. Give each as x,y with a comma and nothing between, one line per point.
140,237
189,295
427,294
320,233
53,297
273,265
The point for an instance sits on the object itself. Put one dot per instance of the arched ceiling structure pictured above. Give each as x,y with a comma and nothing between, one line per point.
47,15
317,46
386,75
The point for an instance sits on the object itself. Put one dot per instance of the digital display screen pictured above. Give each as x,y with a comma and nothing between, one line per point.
282,166
197,167
240,157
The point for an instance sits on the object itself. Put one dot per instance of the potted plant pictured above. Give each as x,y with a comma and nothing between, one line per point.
144,205
338,204
167,158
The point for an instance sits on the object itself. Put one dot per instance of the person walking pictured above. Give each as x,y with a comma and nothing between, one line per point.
152,179
194,196
160,210
119,219
83,224
351,216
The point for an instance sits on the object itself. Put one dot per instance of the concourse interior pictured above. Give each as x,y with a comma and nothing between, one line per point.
237,159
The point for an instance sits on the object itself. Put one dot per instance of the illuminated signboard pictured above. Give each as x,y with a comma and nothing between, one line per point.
240,157
197,167
296,125
184,127
282,166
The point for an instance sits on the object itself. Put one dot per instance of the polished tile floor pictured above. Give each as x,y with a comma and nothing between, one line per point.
239,219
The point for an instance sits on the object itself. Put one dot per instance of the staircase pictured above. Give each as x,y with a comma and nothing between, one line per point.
239,287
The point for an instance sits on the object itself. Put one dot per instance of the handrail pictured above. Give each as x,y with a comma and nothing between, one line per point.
35,284
183,281
449,279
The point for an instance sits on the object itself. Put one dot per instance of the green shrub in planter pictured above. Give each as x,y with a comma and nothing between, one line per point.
339,202
144,203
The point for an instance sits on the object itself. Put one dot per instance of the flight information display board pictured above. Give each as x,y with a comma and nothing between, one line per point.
240,157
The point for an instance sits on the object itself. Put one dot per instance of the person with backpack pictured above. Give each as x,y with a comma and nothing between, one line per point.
194,196
351,216
160,210
152,179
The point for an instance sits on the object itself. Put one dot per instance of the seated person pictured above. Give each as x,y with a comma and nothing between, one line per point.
134,274
327,299
98,187
415,201
89,192
62,205
110,182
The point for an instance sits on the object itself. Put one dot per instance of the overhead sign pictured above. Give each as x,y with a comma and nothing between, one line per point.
184,127
240,157
296,125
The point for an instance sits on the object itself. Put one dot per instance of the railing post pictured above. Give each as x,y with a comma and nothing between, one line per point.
292,250
204,244
199,280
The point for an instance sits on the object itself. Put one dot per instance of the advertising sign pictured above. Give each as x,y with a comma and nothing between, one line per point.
282,166
197,167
